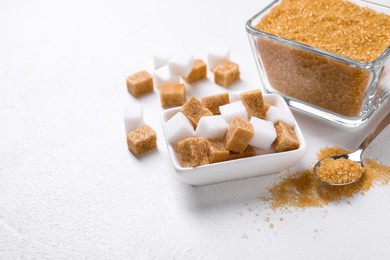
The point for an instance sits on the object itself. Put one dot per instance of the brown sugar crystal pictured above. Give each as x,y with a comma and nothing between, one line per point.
254,104
286,138
218,153
140,83
215,101
193,151
240,132
248,152
226,73
337,26
141,140
172,94
339,171
194,110
199,71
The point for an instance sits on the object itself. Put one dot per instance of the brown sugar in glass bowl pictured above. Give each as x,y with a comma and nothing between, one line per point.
330,58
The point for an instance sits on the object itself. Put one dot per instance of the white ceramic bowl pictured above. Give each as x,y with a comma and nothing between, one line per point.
241,168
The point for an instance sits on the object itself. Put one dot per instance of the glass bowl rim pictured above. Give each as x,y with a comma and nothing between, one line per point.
378,62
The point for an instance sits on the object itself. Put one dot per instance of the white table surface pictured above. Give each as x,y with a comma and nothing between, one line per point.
70,189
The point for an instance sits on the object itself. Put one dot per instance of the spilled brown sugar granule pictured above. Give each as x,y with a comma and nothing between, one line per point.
303,190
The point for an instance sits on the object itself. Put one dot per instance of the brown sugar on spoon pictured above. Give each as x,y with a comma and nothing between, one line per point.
339,171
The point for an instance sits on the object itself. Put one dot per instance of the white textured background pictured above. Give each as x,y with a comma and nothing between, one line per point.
69,189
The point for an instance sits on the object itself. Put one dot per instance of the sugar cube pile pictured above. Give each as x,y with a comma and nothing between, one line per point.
243,129
214,128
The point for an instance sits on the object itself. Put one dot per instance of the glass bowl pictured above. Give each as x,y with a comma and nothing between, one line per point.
319,82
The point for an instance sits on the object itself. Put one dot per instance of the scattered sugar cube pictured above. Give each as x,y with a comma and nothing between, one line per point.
172,95
211,127
254,104
139,83
218,153
162,75
133,117
248,152
181,64
275,113
193,152
178,128
240,132
161,58
215,101
265,133
199,71
141,140
229,111
194,110
286,138
217,56
226,73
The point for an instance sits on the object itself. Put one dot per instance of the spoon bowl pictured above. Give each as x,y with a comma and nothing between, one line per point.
355,156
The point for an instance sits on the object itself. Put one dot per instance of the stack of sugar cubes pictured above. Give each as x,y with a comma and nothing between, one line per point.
214,129
141,138
170,69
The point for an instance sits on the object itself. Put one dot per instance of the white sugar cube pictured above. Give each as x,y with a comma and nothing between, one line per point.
162,75
265,133
275,113
211,127
235,96
178,128
161,58
231,110
181,64
217,56
133,117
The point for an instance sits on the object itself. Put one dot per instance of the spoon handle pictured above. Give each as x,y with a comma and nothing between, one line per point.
371,136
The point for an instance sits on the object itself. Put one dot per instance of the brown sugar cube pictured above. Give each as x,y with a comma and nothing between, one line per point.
226,73
240,132
215,101
266,107
218,153
141,140
140,83
194,110
254,104
199,71
286,139
172,94
248,152
193,151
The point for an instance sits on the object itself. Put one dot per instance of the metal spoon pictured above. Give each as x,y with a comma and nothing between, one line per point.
356,156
